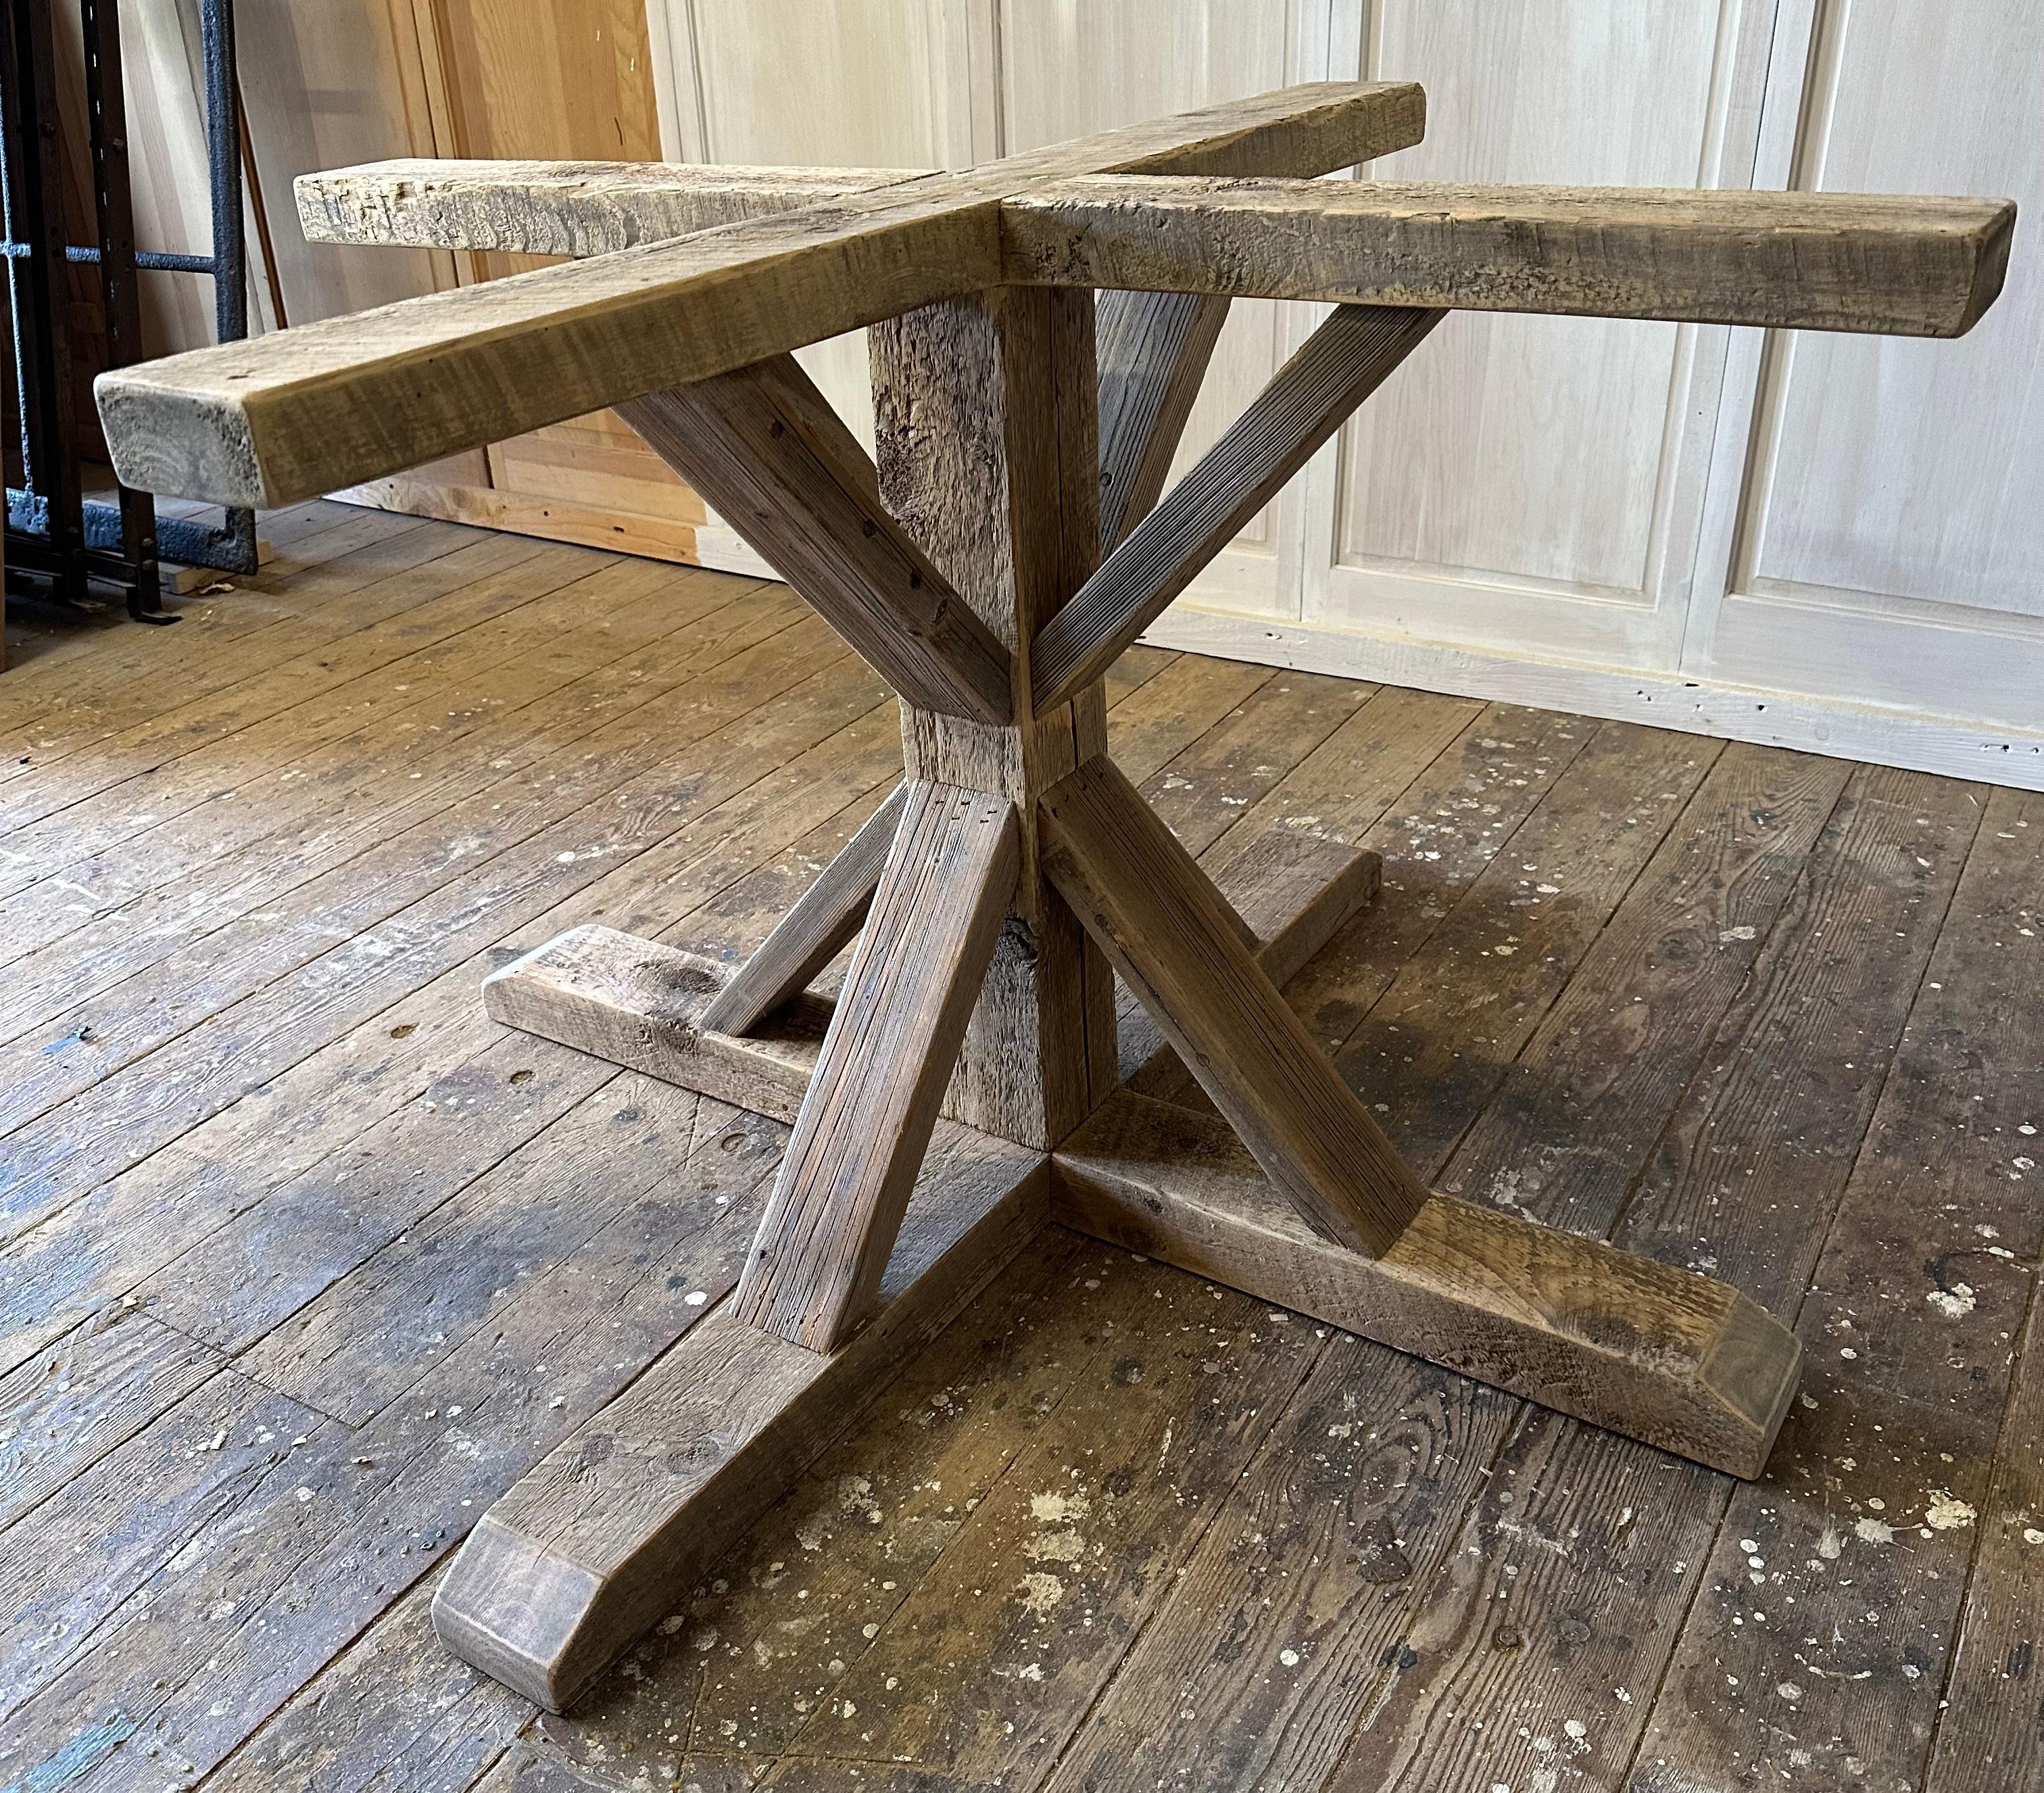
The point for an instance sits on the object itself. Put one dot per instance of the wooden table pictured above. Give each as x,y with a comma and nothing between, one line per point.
1009,544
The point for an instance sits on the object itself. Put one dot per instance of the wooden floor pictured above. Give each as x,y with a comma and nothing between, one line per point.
306,1260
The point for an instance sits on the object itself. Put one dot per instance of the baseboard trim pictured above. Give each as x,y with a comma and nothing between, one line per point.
1952,747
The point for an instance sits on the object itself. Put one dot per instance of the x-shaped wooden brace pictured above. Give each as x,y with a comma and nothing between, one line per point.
1021,431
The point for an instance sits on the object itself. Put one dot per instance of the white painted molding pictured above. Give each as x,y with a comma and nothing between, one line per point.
1951,746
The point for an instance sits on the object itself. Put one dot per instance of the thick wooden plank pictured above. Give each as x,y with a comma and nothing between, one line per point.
764,447
555,208
1143,899
350,399
1643,1349
1345,360
1899,264
600,1539
827,917
866,1120
1153,349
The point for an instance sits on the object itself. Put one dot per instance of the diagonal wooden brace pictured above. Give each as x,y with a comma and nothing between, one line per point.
1154,912
823,920
764,447
867,1117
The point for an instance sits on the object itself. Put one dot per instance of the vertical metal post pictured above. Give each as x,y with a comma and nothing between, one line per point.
107,114
230,250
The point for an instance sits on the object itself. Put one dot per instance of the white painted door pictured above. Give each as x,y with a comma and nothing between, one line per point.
1832,542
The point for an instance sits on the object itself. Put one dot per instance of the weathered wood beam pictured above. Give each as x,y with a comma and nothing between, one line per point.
1155,915
1154,350
1345,360
1658,1353
608,1534
814,1273
286,416
824,918
763,446
1895,264
645,1005
556,208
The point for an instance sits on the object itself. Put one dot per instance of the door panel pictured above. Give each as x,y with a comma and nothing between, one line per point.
1527,480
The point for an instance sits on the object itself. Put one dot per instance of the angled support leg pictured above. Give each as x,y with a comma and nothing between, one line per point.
1345,360
814,1273
764,447
1143,899
1154,352
826,916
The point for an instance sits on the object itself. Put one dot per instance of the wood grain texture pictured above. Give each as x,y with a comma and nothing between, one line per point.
1895,264
988,454
1154,914
764,447
1345,360
574,209
645,1005
1153,349
815,1270
825,918
1639,1347
348,400
607,1533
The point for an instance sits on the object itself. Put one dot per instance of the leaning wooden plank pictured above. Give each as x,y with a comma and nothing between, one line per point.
1345,360
1154,349
814,1272
346,400
643,1004
826,916
609,1532
763,446
555,208
1899,264
1141,897
1644,1348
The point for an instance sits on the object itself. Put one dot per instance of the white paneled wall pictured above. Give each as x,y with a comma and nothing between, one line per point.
1831,542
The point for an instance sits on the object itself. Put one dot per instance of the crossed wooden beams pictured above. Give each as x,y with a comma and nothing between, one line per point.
964,1088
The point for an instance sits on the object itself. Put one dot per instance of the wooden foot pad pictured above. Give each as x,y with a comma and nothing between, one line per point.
611,1531
1657,1353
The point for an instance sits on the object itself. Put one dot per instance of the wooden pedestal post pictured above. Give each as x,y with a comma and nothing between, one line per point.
988,455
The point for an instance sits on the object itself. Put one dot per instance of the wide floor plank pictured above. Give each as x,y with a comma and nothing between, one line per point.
308,1260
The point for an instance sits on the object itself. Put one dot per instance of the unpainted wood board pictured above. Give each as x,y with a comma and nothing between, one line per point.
555,208
987,438
1898,264
1154,351
1651,1350
580,1558
764,447
243,844
338,401
1155,915
866,1115
825,918
1346,360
